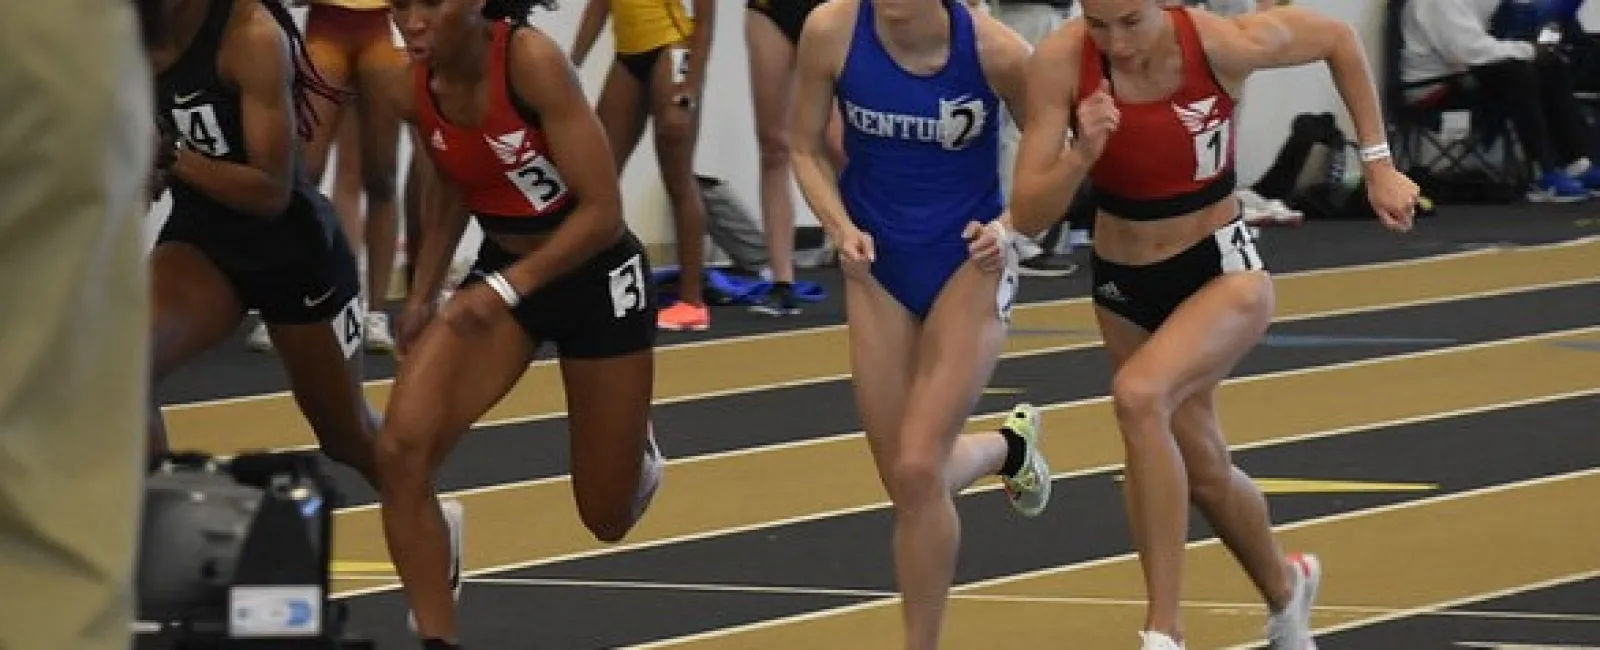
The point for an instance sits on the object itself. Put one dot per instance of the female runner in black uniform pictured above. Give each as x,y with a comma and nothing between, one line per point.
246,230
505,135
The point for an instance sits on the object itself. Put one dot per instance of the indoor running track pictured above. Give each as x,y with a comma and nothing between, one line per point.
1424,414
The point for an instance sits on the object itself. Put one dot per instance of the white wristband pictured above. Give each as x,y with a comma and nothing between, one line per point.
503,287
1375,152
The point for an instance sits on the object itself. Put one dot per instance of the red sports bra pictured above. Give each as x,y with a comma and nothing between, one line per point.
1172,156
501,166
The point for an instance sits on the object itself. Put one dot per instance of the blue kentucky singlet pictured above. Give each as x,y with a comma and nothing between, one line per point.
923,151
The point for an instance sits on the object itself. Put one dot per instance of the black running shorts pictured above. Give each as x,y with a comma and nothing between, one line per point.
1147,295
602,309
299,272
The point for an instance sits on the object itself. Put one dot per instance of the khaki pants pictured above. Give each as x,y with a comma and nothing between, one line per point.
75,142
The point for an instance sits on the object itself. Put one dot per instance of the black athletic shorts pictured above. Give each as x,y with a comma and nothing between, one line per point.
295,270
642,65
788,15
1147,295
602,309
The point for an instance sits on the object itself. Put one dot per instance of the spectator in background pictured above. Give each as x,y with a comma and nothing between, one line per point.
76,146
663,50
354,45
1032,20
772,33
1451,46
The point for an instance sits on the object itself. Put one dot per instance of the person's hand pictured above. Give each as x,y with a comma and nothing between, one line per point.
472,309
414,318
1393,196
1098,118
987,244
857,251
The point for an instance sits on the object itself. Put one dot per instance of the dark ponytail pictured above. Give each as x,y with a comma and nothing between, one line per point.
306,77
515,10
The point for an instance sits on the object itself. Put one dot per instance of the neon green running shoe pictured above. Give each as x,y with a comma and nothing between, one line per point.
1029,489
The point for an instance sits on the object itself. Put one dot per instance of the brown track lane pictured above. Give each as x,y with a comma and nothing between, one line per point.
1410,555
707,369
700,503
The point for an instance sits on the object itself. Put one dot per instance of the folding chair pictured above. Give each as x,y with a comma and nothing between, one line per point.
1584,52
1416,128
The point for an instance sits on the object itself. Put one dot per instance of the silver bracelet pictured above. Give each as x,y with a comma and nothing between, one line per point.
503,287
1375,152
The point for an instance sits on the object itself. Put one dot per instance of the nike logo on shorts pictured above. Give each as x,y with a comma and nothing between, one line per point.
312,302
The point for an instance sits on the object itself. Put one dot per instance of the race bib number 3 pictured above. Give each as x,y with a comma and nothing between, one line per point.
539,182
627,287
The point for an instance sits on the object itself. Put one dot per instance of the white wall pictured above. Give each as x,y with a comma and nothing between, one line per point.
1273,98
727,143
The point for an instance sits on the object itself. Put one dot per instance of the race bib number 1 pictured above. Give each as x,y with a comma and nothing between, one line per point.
1238,247
1211,150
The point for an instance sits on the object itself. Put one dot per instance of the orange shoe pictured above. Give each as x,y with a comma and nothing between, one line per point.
684,316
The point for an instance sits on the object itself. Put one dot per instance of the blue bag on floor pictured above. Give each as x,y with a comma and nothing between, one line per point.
723,288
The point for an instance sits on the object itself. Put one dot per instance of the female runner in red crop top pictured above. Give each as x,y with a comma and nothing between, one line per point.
507,137
1179,289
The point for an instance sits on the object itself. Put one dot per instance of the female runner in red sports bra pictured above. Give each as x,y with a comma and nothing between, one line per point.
1180,291
509,139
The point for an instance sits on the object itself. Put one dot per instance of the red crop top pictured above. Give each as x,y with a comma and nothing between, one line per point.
502,165
1171,156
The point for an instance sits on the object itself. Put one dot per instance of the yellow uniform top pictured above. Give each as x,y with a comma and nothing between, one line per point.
354,4
639,26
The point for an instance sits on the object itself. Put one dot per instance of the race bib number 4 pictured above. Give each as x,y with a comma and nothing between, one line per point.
200,130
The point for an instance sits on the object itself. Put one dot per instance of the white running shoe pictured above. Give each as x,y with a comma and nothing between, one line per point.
379,338
455,520
654,464
1158,641
1290,627
259,340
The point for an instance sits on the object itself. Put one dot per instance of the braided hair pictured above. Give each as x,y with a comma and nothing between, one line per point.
307,79
515,10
